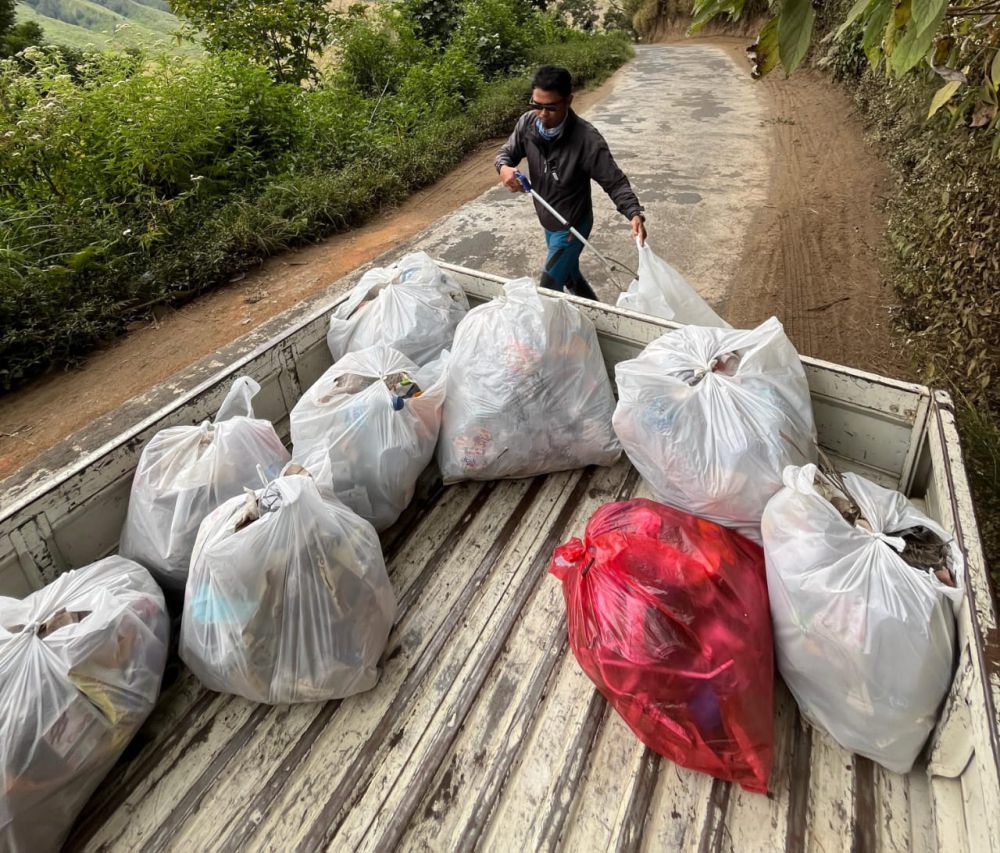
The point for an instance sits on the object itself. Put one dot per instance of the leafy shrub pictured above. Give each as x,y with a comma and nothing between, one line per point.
497,34
433,20
588,57
438,89
376,49
283,37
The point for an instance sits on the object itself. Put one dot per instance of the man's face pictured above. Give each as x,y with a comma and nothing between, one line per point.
550,107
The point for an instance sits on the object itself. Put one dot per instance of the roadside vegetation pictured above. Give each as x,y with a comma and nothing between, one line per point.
131,179
926,76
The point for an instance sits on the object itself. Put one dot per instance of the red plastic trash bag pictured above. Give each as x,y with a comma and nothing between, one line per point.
668,616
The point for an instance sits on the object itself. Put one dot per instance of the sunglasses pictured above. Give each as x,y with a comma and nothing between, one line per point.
548,108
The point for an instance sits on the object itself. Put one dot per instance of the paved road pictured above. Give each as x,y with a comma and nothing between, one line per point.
686,125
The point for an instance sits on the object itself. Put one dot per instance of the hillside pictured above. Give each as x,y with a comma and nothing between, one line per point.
104,23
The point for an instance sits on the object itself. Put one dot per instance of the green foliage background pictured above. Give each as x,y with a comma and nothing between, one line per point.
133,179
943,249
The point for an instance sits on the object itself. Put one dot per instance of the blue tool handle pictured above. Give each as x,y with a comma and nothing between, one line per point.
525,183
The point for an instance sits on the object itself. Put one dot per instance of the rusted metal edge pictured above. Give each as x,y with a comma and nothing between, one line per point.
422,505
573,770
637,813
488,800
192,798
444,737
713,829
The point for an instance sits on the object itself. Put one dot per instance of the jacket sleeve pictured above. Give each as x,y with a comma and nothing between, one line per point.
512,151
607,173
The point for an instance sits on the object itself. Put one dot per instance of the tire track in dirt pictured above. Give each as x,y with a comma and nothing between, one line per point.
812,256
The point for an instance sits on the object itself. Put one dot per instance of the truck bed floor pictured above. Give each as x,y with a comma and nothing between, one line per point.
482,732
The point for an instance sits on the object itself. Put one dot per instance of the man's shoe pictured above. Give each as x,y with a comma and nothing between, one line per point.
581,288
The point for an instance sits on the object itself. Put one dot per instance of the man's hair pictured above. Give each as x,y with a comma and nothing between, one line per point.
553,78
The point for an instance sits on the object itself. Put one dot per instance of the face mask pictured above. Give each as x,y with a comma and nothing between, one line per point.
549,133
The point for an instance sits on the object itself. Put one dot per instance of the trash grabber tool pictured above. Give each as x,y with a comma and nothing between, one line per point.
608,262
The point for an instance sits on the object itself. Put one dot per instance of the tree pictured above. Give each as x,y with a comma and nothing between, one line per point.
20,37
581,14
433,20
960,43
16,37
7,16
283,35
620,15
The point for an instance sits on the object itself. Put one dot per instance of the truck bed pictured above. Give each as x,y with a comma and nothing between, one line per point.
482,731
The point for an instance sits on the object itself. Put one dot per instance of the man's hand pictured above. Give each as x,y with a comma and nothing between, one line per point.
508,180
639,230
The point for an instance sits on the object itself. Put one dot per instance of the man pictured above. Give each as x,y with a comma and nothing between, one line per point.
564,152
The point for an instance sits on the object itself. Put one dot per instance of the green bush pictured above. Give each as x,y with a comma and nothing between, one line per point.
438,89
433,20
497,34
586,56
376,48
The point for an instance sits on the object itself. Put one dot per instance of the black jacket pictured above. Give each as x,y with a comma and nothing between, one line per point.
561,170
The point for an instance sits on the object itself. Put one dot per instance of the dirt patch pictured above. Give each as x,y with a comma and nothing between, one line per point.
812,255
811,259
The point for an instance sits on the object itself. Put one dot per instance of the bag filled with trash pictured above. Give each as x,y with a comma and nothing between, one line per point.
412,306
667,614
711,417
288,599
663,292
864,589
528,392
376,416
80,667
187,471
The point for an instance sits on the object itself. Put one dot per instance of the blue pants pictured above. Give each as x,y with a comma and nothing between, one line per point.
562,266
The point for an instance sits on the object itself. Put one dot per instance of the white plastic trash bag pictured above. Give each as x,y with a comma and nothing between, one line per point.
528,392
375,415
864,640
288,599
711,417
412,306
662,292
187,471
80,667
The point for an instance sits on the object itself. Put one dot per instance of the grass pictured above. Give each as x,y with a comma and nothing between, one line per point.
152,30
